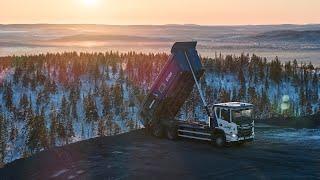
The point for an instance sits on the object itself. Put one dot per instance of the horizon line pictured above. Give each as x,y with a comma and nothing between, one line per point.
182,24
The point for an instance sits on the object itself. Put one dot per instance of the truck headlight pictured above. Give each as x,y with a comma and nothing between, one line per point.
234,135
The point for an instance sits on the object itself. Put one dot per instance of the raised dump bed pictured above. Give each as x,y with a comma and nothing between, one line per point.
173,85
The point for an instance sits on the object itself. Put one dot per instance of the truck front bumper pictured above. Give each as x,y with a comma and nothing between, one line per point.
242,139
246,139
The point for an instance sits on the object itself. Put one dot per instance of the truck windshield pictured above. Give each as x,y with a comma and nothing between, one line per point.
242,116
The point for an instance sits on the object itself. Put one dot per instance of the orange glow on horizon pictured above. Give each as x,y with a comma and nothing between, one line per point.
205,12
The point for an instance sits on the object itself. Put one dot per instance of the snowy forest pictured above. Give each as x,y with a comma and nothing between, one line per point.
50,100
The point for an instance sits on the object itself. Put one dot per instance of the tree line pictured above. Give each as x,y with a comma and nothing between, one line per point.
53,99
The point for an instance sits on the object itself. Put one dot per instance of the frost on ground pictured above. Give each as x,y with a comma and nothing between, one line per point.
57,174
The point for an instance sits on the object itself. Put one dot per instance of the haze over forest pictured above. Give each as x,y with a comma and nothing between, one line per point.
288,42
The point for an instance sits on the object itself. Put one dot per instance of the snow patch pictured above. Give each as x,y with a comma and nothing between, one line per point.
59,173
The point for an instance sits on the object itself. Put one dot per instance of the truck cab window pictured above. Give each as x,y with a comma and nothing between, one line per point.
243,116
225,115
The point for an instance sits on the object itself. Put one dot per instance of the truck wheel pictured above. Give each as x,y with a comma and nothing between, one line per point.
219,140
241,143
157,130
172,133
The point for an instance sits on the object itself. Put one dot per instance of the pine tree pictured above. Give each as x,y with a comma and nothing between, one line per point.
266,84
118,98
265,102
74,112
109,124
13,133
309,110
42,98
107,73
82,132
124,115
241,77
262,70
303,100
234,95
250,72
315,79
101,127
17,75
121,73
116,128
275,70
3,136
114,68
90,107
26,80
252,95
38,101
53,126
64,108
224,96
37,133
52,87
7,95
73,99
131,104
24,103
69,131
315,84
242,93
106,104
61,131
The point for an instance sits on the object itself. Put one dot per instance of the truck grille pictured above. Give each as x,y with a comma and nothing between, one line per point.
244,132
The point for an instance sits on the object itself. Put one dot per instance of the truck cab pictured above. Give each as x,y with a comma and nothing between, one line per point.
235,119
234,124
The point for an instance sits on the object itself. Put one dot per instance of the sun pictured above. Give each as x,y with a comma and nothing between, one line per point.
89,2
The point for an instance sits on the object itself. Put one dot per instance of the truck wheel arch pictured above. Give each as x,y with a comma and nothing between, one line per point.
172,132
218,133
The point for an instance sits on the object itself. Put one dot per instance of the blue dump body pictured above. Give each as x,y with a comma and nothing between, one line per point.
173,85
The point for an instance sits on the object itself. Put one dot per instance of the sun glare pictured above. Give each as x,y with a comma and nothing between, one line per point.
89,2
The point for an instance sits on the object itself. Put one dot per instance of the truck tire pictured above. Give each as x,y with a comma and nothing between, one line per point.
219,140
157,130
172,133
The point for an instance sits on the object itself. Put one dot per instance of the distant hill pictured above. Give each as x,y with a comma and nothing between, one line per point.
105,37
289,35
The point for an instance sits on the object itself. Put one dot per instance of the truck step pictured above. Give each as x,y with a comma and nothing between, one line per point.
194,137
194,132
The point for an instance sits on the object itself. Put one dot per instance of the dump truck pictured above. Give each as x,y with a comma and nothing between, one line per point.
225,123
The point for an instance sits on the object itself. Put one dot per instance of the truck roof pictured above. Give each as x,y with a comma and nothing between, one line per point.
234,105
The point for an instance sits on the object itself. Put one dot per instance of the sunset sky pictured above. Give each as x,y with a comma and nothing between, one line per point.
204,12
